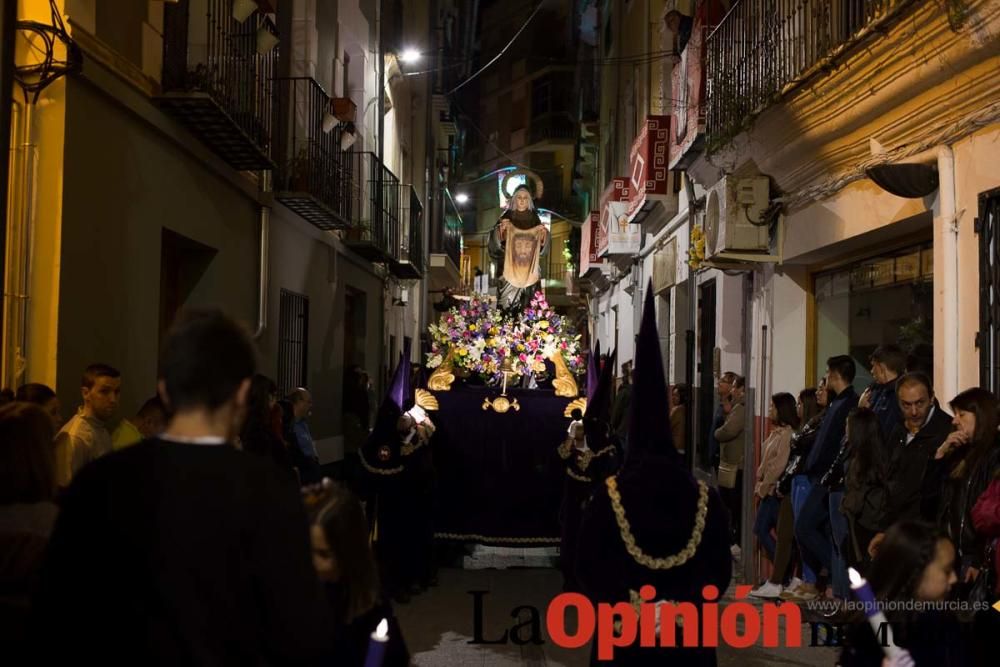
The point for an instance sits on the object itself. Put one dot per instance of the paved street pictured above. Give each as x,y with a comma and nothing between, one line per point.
439,624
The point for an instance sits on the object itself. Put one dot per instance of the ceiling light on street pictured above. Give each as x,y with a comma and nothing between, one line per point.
461,198
409,56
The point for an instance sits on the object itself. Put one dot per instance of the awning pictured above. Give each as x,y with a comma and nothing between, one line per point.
590,239
649,169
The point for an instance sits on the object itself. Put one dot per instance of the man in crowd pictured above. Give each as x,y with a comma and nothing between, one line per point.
150,420
194,552
887,364
301,401
912,480
813,526
621,405
723,389
85,436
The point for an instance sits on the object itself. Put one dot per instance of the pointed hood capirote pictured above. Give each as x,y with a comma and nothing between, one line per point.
397,399
649,417
593,375
596,422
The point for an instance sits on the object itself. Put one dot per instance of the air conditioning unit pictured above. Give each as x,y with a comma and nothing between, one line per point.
733,206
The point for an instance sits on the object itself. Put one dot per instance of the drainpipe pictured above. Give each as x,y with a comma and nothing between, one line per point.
947,230
263,281
19,243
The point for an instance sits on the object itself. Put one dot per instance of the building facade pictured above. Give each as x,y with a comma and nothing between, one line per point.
268,158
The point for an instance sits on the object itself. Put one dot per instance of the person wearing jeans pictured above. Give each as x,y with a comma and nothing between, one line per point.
774,457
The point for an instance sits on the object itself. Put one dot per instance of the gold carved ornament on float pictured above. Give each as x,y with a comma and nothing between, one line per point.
501,404
444,375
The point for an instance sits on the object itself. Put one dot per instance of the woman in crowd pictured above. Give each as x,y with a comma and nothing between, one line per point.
864,491
27,511
42,396
346,566
915,562
257,436
773,459
794,487
806,410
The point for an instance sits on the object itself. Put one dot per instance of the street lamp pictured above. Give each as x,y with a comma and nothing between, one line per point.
461,198
410,55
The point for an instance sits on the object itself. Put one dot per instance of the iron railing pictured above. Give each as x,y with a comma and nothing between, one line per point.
373,206
764,48
410,256
988,338
205,50
554,126
313,175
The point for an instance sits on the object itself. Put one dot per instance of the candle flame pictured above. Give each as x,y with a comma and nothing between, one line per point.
856,579
382,631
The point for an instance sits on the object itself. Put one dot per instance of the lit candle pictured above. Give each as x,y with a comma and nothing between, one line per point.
863,591
376,647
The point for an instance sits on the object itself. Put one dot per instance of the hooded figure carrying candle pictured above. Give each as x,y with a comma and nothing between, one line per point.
517,244
590,454
653,522
397,488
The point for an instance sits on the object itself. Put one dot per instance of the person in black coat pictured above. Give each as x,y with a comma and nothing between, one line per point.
668,513
912,479
344,562
590,454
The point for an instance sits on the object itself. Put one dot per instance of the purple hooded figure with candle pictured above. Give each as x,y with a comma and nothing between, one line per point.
652,522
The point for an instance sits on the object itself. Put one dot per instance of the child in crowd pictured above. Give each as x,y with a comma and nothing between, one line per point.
915,563
345,564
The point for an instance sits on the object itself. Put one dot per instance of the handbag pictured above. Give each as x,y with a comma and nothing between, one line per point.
727,475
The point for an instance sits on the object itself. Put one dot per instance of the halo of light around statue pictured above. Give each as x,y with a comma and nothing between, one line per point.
478,337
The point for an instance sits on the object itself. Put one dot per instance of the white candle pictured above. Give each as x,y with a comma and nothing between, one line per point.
863,591
377,645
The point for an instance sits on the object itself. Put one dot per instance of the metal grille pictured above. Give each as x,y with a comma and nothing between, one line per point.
988,339
293,341
764,48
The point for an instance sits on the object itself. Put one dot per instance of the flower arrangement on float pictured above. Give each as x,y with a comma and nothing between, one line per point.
480,337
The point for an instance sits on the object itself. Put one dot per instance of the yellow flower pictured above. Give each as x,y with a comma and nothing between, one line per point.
462,352
472,327
543,324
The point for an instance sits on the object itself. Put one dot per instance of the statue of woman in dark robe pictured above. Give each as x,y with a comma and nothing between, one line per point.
518,242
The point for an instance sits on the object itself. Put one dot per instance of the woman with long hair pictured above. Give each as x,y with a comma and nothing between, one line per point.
914,563
864,491
774,457
345,564
257,436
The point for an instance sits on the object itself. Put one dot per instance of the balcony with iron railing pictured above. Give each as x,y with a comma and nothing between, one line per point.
374,208
409,259
313,177
217,78
555,127
763,49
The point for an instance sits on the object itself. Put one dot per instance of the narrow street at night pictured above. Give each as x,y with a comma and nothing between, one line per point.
379,333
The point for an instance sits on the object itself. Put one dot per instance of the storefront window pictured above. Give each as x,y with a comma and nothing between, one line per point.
881,300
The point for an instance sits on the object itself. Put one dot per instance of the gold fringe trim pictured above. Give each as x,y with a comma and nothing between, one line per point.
579,478
633,549
472,537
378,471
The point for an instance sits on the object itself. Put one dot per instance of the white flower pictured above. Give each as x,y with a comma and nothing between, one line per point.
434,360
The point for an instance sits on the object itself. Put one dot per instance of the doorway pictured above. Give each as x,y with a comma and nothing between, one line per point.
706,368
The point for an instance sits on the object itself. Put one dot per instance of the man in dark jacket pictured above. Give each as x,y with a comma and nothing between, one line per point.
887,364
912,480
812,527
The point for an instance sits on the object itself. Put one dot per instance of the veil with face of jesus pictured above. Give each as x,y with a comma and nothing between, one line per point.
520,250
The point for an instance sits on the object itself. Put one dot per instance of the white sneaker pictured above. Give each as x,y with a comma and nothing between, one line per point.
767,590
736,551
793,584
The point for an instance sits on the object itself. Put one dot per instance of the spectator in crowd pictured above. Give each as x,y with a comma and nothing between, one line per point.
621,405
808,409
773,459
723,388
27,514
301,403
986,520
678,415
912,482
344,562
812,527
85,436
44,397
864,490
150,420
915,563
258,435
731,437
193,551
887,364
970,457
